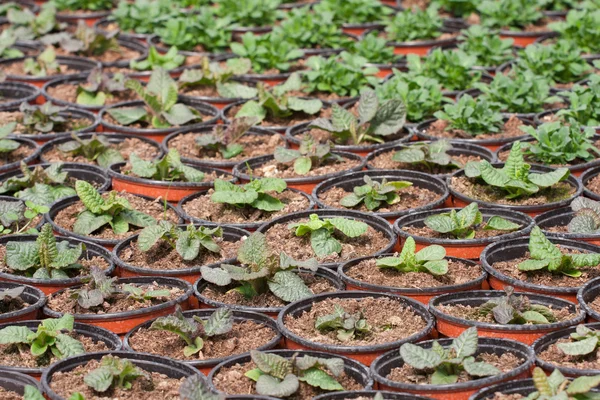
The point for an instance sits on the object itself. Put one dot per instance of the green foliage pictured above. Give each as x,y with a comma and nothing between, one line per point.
253,194
99,87
448,363
7,40
451,68
161,107
196,388
354,11
139,294
116,373
85,41
429,260
486,45
344,75
430,155
584,103
310,154
88,5
96,291
194,331
375,120
42,119
97,148
556,386
262,271
375,49
32,393
43,65
27,26
224,138
168,61
279,377
44,258
462,224
509,14
582,342
347,326
267,52
17,216
375,194
410,25
321,232
7,145
167,169
144,16
188,243
250,13
50,338
514,178
516,310
473,117
458,8
544,255
580,28
111,210
587,216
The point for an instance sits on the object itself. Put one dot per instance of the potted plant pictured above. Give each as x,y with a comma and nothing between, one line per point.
82,11
575,222
20,302
579,28
14,93
16,386
374,48
13,152
591,183
251,16
489,48
583,101
31,23
356,16
20,217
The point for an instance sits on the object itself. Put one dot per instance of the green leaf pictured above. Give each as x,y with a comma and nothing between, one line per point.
252,109
349,227
254,250
100,379
318,378
289,287
21,256
439,377
87,222
15,334
474,368
583,384
430,253
216,276
389,119
550,178
418,357
323,244
68,346
89,196
269,386
127,115
137,218
367,106
501,224
180,114
219,322
149,236
272,364
32,393
302,165
579,347
534,317
540,247
465,344
437,267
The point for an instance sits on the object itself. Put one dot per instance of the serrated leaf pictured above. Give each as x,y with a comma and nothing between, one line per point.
21,256
68,346
474,368
271,364
100,379
389,119
540,247
219,322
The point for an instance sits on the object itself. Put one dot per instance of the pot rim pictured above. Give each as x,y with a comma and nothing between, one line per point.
30,290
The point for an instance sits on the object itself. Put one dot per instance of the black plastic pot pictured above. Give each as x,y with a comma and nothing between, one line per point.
224,164
28,48
585,178
249,226
352,368
102,24
381,368
34,297
238,316
524,387
71,81
16,382
458,148
27,160
368,394
147,362
351,180
373,221
512,249
96,334
562,217
586,294
15,93
79,64
363,354
200,285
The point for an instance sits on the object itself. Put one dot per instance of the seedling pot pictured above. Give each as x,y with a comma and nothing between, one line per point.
523,387
31,158
33,296
586,295
562,217
90,18
16,382
79,64
423,47
17,92
222,102
586,177
522,38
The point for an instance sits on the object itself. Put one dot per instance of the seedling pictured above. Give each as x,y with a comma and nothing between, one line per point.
511,14
429,260
97,148
271,51
225,138
584,103
139,294
556,386
487,46
516,310
471,117
144,16
11,300
85,41
347,326
430,155
411,25
17,216
40,186
462,224
194,331
196,388
375,194
514,178
116,373
42,119
32,393
98,290
188,243
545,256
254,194
27,26
90,5
581,28
43,65
458,8
375,49
587,216
156,61
262,271
452,68
99,87
250,12
167,169
321,232
448,363
280,377
560,62
7,146
354,11
310,154
584,341
375,120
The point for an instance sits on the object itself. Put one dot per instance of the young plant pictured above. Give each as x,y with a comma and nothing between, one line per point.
99,87
487,46
580,27
225,138
16,217
7,40
458,8
375,120
462,224
429,260
43,65
448,363
50,338
167,169
250,13
278,103
10,299
161,107
584,341
262,271
374,49
42,119
556,386
509,14
85,41
97,148
516,310
471,117
89,5
452,68
587,216
584,103
347,326
411,25
27,26
99,289
270,51
430,155
168,61
514,178
144,16
116,373
375,194
112,210
188,243
254,194
194,331
354,11
310,154
195,388
544,255
7,146
138,294
32,393
321,232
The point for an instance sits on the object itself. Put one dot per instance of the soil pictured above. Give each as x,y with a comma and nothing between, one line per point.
475,190
439,128
555,356
66,217
424,231
225,295
117,303
294,119
389,321
203,208
231,380
410,198
163,388
471,313
595,304
16,155
163,257
9,395
12,356
412,4
407,374
503,156
68,92
142,149
245,336
17,69
275,169
10,304
109,56
384,161
323,137
594,184
458,273
254,146
71,124
502,396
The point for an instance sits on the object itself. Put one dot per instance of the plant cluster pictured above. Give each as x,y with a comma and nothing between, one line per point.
354,11
375,194
27,26
89,5
43,65
155,60
250,13
267,52
347,326
472,117
167,169
99,87
430,155
584,103
188,243
509,14
410,25
556,386
97,148
310,154
458,8
429,260
16,217
144,16
516,310
587,216
453,69
225,138
580,28
374,49
582,342
486,45
85,41
116,373
42,119
40,185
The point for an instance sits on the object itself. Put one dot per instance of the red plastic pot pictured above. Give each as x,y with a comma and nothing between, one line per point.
18,92
522,387
562,217
79,64
422,47
35,299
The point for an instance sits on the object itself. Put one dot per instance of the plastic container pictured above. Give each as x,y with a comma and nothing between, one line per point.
31,158
79,64
586,295
562,217
35,299
17,92
586,177
16,382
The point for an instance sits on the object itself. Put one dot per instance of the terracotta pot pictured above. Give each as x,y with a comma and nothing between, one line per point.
17,92
206,365
30,159
369,394
79,64
16,382
35,299
122,322
585,178
422,295
586,294
381,368
305,184
562,217
463,248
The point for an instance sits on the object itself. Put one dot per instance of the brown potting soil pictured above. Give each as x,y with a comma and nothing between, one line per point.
9,395
275,169
231,380
225,295
161,386
17,69
595,304
68,92
245,336
9,304
557,229
480,191
128,146
594,184
458,273
203,208
502,396
440,128
425,231
71,124
254,146
66,217
413,4
16,155
471,313
410,197
407,374
384,161
109,56
295,119
389,321
503,156
117,303
555,356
